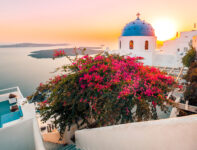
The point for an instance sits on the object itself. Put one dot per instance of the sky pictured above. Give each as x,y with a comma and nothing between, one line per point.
85,21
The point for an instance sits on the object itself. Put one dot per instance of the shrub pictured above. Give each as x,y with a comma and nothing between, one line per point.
104,90
189,58
191,90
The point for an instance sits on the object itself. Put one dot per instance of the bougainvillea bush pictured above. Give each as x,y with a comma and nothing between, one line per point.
104,90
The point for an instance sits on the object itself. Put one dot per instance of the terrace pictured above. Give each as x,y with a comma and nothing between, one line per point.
10,109
18,122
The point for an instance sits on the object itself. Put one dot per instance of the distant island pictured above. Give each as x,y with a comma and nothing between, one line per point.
69,51
31,45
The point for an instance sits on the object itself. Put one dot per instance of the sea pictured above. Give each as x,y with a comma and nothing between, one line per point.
17,68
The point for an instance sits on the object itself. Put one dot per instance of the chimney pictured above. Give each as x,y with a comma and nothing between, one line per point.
194,25
177,34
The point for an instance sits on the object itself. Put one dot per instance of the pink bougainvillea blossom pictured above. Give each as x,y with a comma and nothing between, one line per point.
58,53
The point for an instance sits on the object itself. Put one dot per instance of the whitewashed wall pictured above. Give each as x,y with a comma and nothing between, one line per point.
22,134
168,60
139,43
148,57
139,47
18,137
181,43
167,134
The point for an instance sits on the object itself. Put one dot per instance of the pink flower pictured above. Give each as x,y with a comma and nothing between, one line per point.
44,102
58,53
127,110
154,104
41,84
180,87
81,100
83,86
139,58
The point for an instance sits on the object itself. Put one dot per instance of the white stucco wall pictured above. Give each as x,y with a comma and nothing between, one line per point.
18,137
181,43
167,134
139,43
22,134
139,47
166,60
148,57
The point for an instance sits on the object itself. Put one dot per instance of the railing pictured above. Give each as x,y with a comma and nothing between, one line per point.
19,91
179,105
10,90
4,94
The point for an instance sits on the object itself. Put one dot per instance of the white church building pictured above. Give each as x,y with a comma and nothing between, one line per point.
138,39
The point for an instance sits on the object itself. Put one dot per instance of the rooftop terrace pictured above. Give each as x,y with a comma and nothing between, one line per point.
7,114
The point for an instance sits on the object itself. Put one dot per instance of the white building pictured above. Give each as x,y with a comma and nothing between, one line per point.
18,123
138,39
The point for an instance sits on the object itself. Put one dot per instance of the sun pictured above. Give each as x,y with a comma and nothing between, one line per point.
165,29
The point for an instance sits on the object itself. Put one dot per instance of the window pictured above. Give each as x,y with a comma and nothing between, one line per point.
185,49
131,45
120,44
146,45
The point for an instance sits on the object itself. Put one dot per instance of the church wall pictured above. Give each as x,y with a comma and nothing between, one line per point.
139,47
139,43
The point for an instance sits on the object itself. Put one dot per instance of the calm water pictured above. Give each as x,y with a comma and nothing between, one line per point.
19,69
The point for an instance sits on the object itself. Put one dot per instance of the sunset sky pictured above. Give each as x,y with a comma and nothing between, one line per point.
86,21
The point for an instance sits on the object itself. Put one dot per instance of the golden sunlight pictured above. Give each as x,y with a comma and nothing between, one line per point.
164,29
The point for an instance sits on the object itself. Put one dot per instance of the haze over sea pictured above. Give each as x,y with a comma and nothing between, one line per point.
17,68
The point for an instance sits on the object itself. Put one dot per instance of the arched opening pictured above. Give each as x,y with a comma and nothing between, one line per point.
131,44
146,45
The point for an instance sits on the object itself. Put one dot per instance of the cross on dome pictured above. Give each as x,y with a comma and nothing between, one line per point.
138,15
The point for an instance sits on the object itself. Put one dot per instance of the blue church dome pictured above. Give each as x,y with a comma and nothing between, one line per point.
138,28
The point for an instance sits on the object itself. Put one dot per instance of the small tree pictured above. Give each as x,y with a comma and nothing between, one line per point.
190,57
191,76
104,90
191,89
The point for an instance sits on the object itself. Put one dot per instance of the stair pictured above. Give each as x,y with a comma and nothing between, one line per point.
69,147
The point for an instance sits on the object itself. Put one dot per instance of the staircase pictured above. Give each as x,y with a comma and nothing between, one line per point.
69,147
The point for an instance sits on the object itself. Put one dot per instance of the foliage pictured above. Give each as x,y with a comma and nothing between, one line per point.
189,58
104,90
191,90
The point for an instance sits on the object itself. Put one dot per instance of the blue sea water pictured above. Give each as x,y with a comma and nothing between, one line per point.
19,69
